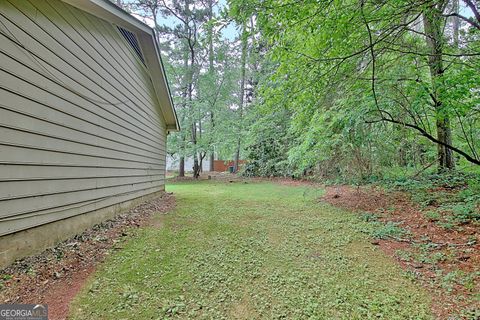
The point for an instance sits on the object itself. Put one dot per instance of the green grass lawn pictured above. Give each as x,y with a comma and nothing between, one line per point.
250,251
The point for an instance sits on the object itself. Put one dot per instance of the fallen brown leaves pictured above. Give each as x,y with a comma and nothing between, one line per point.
431,252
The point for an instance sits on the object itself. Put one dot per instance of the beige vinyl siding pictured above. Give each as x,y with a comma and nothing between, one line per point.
80,125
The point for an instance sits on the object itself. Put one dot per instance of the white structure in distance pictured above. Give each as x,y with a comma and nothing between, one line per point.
172,163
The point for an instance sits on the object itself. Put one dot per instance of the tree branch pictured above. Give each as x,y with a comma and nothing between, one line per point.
474,9
468,20
468,157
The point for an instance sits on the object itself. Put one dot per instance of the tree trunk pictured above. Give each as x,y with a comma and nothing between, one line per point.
196,170
237,157
181,167
191,46
211,71
455,22
212,162
432,19
244,36
196,167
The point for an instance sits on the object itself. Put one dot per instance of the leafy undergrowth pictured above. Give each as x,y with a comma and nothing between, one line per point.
251,251
431,226
449,200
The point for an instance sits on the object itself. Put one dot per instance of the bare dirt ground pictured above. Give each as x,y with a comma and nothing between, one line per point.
55,276
446,261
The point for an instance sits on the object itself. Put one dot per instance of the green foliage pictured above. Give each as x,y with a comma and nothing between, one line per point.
203,70
466,212
343,125
448,280
449,199
344,91
426,253
267,151
381,230
388,230
368,217
433,215
404,255
5,277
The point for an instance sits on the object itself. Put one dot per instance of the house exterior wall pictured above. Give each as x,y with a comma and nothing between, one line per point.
80,125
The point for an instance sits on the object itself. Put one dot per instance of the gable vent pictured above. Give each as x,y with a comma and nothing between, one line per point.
132,40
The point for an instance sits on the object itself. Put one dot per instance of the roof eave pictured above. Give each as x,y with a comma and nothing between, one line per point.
108,11
173,125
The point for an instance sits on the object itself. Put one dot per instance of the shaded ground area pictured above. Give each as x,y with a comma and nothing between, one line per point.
445,258
246,250
57,275
217,176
